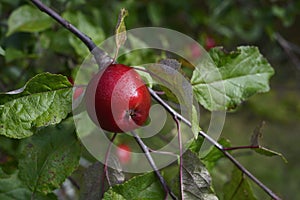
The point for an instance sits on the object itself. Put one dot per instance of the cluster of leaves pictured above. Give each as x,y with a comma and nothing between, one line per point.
98,18
39,148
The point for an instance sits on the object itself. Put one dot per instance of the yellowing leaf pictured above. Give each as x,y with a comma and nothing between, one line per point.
121,29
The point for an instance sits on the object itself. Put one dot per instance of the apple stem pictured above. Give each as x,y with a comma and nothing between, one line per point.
153,165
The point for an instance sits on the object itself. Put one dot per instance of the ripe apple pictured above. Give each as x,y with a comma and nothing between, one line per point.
209,43
124,153
78,90
71,80
117,99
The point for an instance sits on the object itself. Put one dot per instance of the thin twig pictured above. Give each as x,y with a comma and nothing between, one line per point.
290,45
162,152
180,156
153,165
74,183
288,49
240,147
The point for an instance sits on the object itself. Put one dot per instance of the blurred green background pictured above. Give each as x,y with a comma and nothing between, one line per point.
273,26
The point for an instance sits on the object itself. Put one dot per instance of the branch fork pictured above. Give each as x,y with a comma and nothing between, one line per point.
103,60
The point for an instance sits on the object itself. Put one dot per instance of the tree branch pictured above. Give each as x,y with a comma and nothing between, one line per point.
180,157
153,165
240,147
217,145
102,56
288,49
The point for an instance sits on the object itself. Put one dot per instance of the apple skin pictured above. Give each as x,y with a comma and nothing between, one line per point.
78,90
209,43
117,99
124,153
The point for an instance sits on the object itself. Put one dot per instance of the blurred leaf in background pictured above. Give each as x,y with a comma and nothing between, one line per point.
27,49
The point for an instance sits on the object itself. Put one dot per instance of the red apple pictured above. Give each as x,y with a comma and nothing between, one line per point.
78,90
117,99
209,43
124,153
195,50
70,79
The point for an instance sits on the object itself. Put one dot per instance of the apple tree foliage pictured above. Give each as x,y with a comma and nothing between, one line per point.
39,148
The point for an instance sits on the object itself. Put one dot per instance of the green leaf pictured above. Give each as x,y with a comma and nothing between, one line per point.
14,54
56,41
143,187
44,100
2,51
211,158
28,19
268,152
238,187
195,122
147,78
196,179
155,13
82,23
175,86
233,78
196,144
92,185
49,157
111,195
12,188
